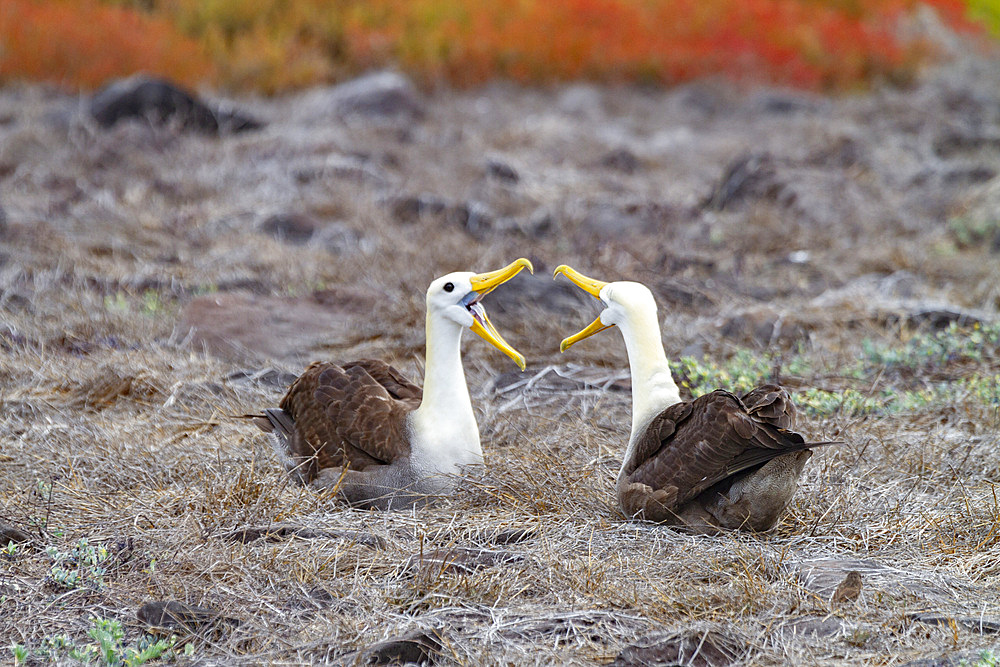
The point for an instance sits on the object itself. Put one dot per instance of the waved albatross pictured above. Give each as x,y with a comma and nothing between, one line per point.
365,430
718,461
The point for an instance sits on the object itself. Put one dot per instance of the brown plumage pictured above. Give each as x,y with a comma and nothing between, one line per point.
719,460
363,430
849,589
351,416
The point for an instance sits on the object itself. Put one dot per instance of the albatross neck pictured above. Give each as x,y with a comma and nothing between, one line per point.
653,386
446,395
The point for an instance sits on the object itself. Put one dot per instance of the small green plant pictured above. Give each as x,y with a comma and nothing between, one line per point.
969,232
117,303
107,648
11,549
152,304
986,659
81,567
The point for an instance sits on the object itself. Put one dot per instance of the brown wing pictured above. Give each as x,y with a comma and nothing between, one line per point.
391,380
342,415
691,446
772,404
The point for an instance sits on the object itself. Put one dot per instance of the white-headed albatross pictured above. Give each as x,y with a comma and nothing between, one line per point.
718,461
364,429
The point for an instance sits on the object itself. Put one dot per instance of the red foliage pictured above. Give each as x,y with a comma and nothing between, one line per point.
81,43
809,43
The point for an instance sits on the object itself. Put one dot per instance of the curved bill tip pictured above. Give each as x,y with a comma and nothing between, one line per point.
595,327
486,282
482,327
590,285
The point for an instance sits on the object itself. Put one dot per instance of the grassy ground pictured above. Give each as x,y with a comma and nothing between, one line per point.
119,455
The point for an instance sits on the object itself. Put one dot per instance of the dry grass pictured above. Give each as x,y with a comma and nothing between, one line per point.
114,428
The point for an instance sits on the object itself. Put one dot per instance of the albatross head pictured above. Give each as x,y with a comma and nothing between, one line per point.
624,302
457,296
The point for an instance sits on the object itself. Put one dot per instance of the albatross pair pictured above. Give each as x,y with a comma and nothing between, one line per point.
366,431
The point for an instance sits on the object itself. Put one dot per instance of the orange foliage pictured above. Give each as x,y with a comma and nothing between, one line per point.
82,44
809,43
273,45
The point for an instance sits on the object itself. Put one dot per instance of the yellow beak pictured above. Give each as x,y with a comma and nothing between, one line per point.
591,286
483,284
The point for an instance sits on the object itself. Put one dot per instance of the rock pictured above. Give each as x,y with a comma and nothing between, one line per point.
979,624
174,615
459,560
294,228
708,648
13,301
513,535
341,167
501,171
750,176
237,326
843,153
10,534
474,217
621,159
161,103
419,647
276,532
822,576
379,94
783,103
409,209
810,196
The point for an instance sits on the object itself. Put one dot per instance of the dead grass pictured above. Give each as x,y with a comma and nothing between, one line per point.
116,429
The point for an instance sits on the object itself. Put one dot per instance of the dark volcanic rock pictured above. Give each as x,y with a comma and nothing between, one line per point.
160,103
502,171
276,532
751,176
698,649
621,159
972,623
174,615
295,228
460,560
9,534
419,647
474,217
411,208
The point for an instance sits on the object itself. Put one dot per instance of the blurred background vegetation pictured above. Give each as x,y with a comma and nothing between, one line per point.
277,45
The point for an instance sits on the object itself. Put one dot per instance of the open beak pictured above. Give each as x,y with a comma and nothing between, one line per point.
483,284
592,287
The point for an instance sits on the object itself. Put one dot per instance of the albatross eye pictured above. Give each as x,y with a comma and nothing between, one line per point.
448,287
